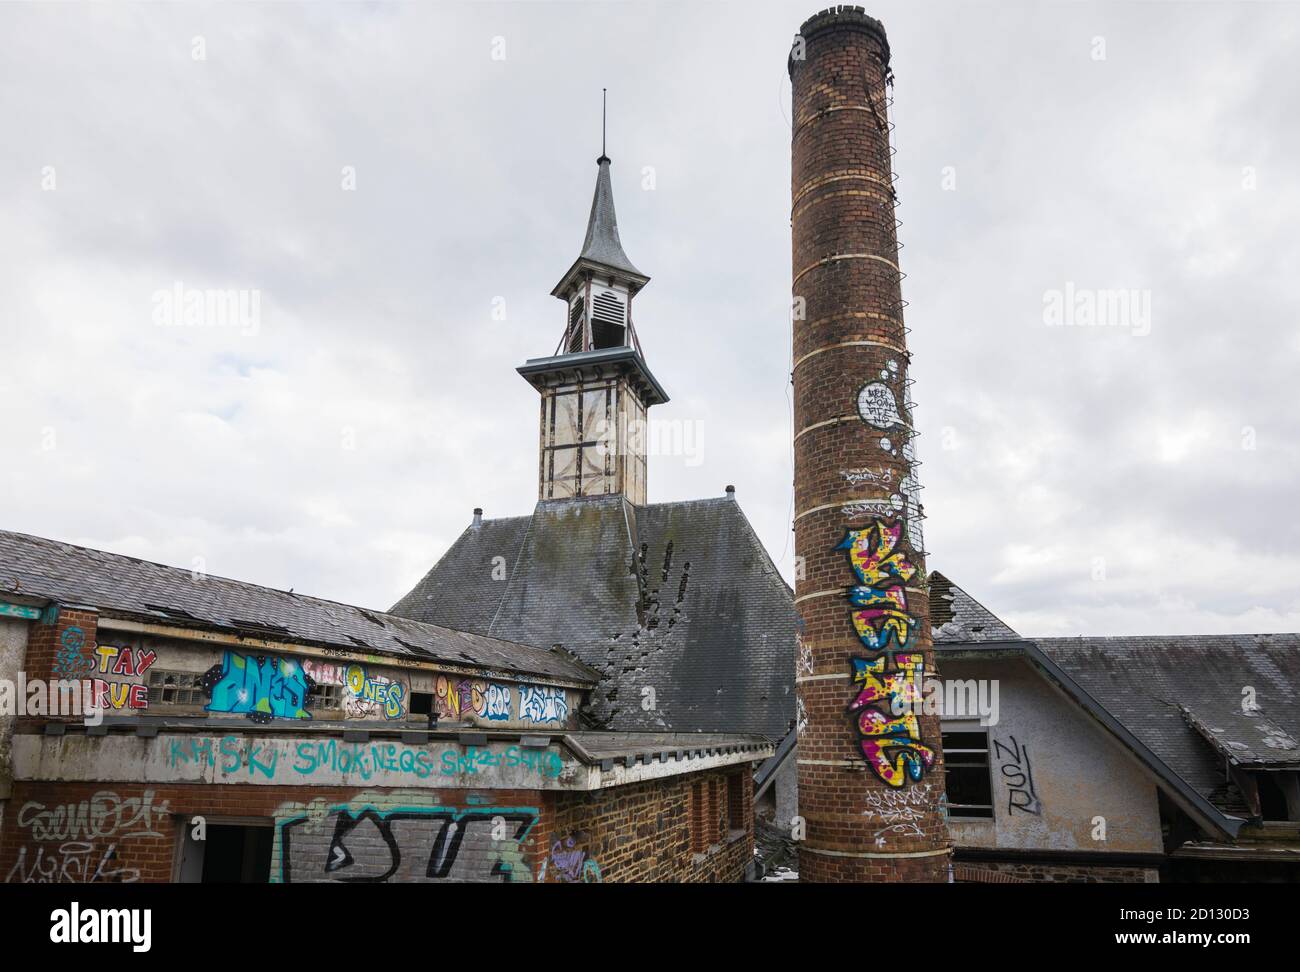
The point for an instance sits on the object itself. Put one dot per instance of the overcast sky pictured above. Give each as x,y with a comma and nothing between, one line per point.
1078,480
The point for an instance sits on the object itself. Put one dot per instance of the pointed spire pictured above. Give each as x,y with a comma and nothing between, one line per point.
602,244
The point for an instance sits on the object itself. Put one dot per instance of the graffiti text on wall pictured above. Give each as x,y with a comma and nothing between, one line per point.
126,662
255,759
70,661
263,687
1019,777
376,693
87,835
568,863
368,846
487,700
541,703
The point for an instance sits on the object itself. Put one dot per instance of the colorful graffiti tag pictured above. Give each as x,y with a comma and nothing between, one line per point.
262,687
69,660
487,700
889,739
376,692
542,703
568,863
365,845
126,662
881,597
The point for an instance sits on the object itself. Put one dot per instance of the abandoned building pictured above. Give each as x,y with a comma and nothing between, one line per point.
607,688
322,742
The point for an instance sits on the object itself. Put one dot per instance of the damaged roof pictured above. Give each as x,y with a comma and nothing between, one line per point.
152,593
1188,698
677,605
956,616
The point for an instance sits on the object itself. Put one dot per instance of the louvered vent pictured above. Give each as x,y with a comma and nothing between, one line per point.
575,326
607,320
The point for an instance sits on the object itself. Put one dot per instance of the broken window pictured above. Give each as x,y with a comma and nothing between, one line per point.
966,769
176,688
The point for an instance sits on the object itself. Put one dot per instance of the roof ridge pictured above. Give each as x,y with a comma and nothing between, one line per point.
386,615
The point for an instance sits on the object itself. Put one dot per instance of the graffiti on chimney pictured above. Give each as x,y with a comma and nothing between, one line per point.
364,845
542,703
262,687
891,742
878,407
1018,775
880,476
890,737
568,863
881,597
900,811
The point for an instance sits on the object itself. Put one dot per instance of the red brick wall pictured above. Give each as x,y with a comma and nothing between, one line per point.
849,334
77,832
644,832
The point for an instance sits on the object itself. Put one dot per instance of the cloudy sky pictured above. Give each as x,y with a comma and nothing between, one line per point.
401,186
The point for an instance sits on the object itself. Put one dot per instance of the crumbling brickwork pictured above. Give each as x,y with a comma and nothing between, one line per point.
860,583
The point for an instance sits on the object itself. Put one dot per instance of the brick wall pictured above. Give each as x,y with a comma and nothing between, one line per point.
854,475
646,832
113,832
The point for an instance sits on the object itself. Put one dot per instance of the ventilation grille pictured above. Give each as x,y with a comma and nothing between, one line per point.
607,309
607,317
575,325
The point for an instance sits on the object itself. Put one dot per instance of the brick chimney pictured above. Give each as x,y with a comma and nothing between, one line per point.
867,750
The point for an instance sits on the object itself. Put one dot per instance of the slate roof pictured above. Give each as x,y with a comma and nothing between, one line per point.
601,244
678,597
956,616
1179,696
144,591
1182,697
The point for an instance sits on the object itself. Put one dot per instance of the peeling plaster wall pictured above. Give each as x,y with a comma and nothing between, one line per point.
1078,773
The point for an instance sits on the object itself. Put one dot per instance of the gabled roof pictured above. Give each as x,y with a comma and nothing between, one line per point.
1185,697
139,590
677,605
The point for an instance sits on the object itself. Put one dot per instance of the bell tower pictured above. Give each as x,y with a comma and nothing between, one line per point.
596,388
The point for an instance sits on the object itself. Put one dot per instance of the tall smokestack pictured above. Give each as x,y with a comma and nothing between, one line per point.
867,750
